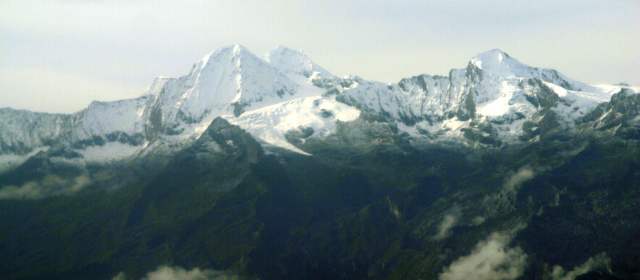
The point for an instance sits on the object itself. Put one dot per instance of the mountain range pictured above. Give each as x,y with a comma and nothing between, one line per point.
494,100
275,168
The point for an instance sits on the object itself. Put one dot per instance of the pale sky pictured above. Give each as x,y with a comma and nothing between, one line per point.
58,55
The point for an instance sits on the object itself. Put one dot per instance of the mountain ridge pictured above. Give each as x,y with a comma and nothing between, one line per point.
495,96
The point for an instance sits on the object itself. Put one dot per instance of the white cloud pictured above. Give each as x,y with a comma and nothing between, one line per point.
120,276
601,261
445,226
478,220
514,181
448,222
50,185
179,273
491,259
173,273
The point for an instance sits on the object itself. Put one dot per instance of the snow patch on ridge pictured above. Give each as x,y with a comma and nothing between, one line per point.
270,124
578,103
295,62
500,105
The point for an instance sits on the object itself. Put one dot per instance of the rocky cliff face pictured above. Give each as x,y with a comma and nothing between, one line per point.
620,116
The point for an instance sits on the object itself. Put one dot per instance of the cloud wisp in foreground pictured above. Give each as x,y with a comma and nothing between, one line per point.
449,221
491,259
50,185
600,261
178,273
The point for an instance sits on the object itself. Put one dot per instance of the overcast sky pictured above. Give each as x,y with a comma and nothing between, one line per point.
58,55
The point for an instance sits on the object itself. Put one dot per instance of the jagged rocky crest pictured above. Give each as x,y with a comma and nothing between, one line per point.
494,101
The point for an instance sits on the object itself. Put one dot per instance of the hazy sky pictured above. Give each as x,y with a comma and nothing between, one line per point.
58,55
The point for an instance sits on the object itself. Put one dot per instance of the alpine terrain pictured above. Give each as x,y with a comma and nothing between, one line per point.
272,167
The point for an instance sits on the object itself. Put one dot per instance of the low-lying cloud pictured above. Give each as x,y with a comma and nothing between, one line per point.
513,182
448,222
171,273
491,259
50,185
178,273
445,226
601,261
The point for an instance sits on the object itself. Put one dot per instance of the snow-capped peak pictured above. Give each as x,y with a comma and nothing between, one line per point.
501,65
495,55
295,62
233,53
231,76
499,62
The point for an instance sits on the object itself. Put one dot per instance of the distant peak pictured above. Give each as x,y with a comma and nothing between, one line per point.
497,61
493,54
294,62
238,47
238,50
234,48
230,52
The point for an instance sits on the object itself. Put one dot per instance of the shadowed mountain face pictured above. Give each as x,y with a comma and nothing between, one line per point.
498,171
384,211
